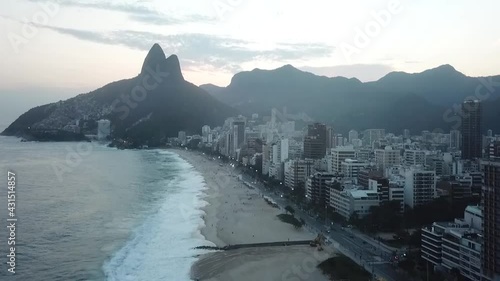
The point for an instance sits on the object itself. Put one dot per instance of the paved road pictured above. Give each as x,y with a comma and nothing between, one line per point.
363,250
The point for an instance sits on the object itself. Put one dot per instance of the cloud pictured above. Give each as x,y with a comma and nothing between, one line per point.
130,8
364,72
162,19
136,11
412,61
221,52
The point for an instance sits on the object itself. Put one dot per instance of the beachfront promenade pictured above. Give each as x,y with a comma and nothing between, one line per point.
372,256
257,245
236,214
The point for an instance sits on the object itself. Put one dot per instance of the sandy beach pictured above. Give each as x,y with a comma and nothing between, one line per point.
237,214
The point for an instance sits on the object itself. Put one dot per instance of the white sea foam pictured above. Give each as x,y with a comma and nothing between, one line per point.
162,247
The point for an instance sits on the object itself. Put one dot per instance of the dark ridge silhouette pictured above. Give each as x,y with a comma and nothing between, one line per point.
399,100
145,109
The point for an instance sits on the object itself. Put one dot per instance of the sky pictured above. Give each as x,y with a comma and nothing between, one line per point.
53,50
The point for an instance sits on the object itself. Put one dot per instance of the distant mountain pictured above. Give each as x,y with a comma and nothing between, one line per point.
398,100
154,105
442,85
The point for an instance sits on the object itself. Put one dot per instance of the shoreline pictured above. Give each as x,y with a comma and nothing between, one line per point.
236,214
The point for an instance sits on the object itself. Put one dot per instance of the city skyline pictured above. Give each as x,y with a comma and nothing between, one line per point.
250,140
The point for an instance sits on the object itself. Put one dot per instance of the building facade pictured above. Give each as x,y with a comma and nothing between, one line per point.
387,157
350,168
315,142
471,129
338,155
297,171
491,219
420,186
317,189
456,245
414,157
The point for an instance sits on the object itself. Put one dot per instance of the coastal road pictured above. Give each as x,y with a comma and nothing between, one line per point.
366,252
373,257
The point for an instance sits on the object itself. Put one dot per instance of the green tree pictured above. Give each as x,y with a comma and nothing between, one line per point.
290,210
354,219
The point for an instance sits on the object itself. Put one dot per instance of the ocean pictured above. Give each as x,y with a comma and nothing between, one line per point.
90,212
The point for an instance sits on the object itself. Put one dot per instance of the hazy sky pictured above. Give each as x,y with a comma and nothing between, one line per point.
56,49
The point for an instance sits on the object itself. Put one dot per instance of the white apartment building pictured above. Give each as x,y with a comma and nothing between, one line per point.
280,151
295,149
420,186
103,129
353,134
362,200
364,154
317,189
266,158
397,193
414,157
349,200
205,133
350,168
339,199
456,244
387,157
357,143
372,135
182,137
276,171
338,155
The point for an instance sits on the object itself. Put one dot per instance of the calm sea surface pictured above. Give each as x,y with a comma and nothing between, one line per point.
89,212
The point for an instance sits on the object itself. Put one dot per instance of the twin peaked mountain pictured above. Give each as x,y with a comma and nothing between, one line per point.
159,102
145,109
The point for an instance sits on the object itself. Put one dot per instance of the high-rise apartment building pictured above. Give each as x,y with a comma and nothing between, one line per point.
353,134
297,171
420,186
455,139
372,135
414,157
471,129
494,150
317,189
315,141
491,218
238,133
338,155
387,157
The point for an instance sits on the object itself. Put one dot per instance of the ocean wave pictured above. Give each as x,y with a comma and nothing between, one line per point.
162,248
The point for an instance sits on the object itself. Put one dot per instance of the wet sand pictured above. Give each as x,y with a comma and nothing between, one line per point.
237,214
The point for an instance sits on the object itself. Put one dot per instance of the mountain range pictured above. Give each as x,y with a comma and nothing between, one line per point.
154,105
422,101
159,102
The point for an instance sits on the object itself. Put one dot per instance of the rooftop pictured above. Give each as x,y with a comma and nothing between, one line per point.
357,194
449,224
474,210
